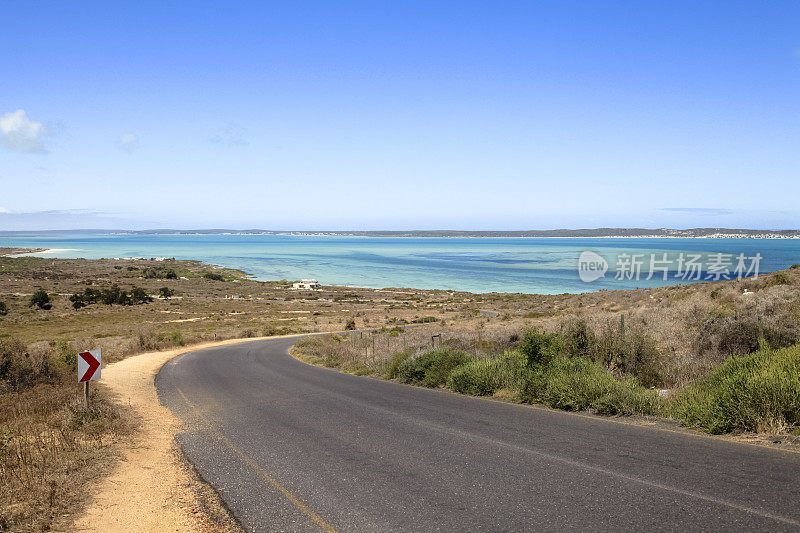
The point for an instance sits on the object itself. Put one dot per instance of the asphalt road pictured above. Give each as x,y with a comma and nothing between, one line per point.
292,447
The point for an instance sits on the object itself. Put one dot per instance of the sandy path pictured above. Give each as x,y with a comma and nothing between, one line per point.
151,488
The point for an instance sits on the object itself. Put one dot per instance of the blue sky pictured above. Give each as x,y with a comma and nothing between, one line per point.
399,115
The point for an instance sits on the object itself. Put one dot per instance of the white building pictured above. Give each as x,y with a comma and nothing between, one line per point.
309,284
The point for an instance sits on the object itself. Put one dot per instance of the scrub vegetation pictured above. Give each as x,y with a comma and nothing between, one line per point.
721,357
727,361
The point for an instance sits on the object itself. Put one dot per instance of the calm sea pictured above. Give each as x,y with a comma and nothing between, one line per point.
546,266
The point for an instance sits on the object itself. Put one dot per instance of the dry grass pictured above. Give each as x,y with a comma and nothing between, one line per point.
50,444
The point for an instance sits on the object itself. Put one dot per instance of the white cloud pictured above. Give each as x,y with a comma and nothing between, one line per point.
4,211
128,142
21,134
231,135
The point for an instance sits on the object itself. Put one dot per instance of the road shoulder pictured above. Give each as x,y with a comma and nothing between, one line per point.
152,487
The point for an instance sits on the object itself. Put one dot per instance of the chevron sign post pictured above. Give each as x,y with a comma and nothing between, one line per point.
88,370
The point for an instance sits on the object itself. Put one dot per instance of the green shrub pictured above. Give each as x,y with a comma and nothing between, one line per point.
628,397
577,339
159,273
3,309
575,384
350,324
631,350
41,300
538,348
165,293
87,297
66,353
484,377
579,384
77,301
432,368
640,358
140,296
214,276
757,392
393,367
173,337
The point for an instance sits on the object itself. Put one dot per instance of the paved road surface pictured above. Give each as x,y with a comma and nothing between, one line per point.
292,447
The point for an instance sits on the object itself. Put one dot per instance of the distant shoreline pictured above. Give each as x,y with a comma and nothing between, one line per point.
735,236
597,233
12,252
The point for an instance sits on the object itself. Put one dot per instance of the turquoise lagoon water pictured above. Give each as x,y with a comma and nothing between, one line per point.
530,265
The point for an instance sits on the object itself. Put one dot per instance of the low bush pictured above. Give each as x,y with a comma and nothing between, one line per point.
140,296
173,337
756,392
159,273
538,348
628,397
87,297
392,368
214,276
484,377
579,384
742,334
41,300
329,350
66,353
778,278
3,309
21,368
432,368
147,339
272,329
572,385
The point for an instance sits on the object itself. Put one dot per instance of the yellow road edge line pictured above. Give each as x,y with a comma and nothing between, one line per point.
718,438
263,473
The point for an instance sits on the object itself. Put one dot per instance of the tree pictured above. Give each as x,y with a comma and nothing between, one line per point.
110,296
77,301
124,298
139,296
41,299
3,309
165,292
91,296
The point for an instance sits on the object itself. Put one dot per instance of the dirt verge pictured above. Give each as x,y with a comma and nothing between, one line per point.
152,488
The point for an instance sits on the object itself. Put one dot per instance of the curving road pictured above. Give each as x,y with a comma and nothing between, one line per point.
292,447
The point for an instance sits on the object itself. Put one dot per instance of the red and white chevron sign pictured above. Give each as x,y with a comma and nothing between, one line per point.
88,366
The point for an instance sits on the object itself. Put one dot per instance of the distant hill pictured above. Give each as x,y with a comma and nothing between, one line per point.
597,232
